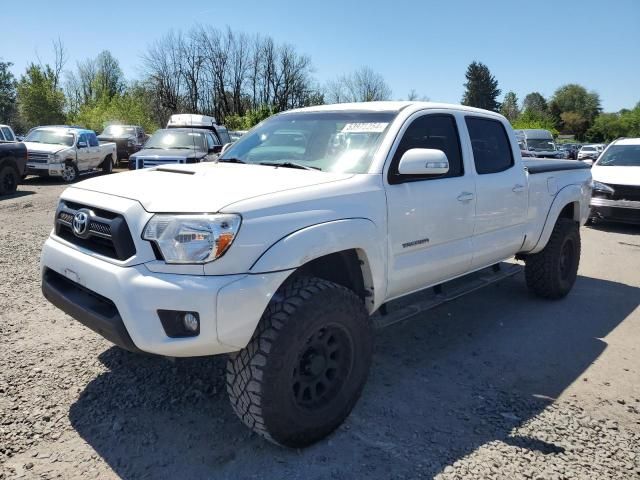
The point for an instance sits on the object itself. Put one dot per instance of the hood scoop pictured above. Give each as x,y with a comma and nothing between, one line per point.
170,170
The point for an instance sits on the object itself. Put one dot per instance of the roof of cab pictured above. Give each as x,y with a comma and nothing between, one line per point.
627,141
390,106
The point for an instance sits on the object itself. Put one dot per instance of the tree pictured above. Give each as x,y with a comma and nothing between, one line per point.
509,107
40,102
574,109
363,85
536,103
533,119
7,93
481,88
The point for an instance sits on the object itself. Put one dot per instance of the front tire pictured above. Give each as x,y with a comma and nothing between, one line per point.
552,272
306,365
69,173
9,179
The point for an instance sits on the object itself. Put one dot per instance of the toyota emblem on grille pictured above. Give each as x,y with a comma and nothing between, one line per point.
81,223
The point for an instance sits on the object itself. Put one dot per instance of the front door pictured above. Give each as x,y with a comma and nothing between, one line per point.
501,189
430,218
83,153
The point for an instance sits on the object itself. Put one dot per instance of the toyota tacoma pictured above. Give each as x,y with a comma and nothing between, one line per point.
285,251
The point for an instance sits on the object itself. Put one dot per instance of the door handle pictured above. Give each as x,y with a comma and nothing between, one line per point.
465,197
518,188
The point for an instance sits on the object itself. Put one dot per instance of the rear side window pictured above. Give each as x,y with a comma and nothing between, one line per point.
491,147
436,131
93,140
7,134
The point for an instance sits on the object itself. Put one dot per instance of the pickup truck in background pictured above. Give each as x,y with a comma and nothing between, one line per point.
301,237
66,152
13,166
172,146
129,139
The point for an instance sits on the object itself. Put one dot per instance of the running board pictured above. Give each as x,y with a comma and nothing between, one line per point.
407,307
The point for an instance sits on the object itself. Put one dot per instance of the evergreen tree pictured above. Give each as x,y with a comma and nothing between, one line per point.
481,88
535,103
510,107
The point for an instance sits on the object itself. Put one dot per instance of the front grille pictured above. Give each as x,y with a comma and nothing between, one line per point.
37,157
625,192
154,162
107,232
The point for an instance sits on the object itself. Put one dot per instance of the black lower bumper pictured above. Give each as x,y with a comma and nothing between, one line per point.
92,310
616,214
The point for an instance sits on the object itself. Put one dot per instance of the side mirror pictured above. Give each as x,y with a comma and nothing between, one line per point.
423,161
82,144
225,147
216,149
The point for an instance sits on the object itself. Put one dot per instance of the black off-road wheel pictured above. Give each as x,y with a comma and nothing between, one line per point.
107,165
9,179
552,272
306,365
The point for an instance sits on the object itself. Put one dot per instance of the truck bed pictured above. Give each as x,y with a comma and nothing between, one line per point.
540,165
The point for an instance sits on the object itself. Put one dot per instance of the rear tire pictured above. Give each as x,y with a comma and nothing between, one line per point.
9,179
306,365
107,165
552,272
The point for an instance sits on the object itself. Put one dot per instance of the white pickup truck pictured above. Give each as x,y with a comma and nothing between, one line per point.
286,251
62,151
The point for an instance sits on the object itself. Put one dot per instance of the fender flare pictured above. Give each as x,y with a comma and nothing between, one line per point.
315,241
570,194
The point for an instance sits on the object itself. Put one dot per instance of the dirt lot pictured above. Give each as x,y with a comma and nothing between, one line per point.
497,384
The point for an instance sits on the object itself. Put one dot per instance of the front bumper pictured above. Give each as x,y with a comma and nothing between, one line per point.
45,169
122,303
625,211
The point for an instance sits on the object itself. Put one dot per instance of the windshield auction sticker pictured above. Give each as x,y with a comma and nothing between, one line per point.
364,127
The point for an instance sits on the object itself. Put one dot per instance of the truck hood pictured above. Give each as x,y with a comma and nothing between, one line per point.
616,175
204,187
44,147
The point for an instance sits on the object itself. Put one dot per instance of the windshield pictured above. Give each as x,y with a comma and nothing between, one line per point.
329,141
621,156
119,130
540,144
52,136
168,139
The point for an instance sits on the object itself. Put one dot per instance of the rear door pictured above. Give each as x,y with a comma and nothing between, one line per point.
430,218
501,189
96,153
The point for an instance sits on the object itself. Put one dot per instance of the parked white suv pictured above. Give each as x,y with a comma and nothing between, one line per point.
616,182
280,253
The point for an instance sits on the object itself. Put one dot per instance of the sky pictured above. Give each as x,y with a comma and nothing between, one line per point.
424,45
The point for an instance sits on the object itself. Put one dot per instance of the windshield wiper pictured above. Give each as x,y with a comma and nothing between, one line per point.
290,165
230,160
183,148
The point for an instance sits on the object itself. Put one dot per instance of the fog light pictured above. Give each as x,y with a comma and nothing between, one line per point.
191,322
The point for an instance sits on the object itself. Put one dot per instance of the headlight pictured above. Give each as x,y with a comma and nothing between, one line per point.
192,238
601,187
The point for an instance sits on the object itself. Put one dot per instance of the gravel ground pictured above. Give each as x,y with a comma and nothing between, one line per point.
497,384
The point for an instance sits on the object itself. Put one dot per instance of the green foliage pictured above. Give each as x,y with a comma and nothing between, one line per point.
7,93
129,108
509,106
251,118
533,119
481,88
39,101
574,109
609,126
536,103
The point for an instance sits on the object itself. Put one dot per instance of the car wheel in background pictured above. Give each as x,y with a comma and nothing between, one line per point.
9,178
107,164
69,173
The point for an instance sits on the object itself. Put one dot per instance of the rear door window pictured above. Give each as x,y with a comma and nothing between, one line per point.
491,147
93,140
8,136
